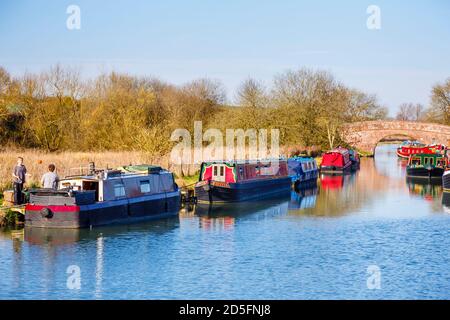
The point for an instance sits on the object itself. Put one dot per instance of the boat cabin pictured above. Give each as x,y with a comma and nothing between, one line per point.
237,171
339,158
106,185
428,160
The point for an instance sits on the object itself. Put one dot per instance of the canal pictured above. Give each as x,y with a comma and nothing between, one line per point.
370,235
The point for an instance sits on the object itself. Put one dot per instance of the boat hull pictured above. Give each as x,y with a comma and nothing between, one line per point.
217,192
336,169
102,213
446,181
305,178
425,173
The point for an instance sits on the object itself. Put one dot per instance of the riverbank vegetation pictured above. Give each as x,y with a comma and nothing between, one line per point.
57,110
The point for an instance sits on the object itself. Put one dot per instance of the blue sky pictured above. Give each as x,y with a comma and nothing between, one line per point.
231,40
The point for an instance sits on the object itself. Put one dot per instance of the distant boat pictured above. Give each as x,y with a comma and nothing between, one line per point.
102,197
426,165
336,161
302,170
410,148
234,181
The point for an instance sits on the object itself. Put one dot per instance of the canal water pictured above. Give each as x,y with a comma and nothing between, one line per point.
370,235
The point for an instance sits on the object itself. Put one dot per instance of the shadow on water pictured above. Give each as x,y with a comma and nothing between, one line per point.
56,237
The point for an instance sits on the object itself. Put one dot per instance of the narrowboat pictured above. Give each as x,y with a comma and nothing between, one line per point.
354,158
234,181
336,161
302,170
446,180
426,166
101,197
446,202
412,148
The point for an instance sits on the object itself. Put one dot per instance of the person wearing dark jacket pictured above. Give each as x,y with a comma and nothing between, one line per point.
19,175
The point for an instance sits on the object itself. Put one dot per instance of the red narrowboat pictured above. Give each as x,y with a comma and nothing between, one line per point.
408,149
234,181
336,161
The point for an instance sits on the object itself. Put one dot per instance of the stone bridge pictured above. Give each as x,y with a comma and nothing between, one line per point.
365,136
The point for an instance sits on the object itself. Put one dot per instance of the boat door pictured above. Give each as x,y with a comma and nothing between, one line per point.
218,173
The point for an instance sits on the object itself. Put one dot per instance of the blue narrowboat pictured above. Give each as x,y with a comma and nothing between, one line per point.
302,170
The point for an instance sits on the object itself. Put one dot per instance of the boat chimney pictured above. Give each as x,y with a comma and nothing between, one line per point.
91,167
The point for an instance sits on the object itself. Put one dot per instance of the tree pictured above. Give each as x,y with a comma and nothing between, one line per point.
251,93
410,112
439,110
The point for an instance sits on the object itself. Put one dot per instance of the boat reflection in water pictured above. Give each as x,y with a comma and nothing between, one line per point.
426,189
225,216
57,237
304,196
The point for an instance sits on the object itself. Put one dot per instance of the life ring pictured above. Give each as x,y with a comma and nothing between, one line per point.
46,213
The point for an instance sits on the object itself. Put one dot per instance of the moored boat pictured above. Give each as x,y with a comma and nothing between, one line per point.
446,180
411,148
302,170
426,166
234,181
336,161
354,158
101,197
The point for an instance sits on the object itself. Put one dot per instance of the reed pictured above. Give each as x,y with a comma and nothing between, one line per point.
37,162
67,162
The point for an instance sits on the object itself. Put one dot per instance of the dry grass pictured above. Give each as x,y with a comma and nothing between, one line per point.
66,163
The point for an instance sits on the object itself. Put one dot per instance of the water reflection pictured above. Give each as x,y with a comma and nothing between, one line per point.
225,216
446,202
424,189
304,197
61,237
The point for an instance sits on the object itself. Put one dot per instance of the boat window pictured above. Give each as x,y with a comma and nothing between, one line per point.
215,170
145,186
415,161
221,171
428,160
119,190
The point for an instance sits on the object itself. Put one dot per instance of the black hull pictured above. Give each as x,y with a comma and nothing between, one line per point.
446,182
336,170
100,214
425,173
243,191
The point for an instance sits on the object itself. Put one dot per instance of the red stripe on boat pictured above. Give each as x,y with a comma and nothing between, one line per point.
32,207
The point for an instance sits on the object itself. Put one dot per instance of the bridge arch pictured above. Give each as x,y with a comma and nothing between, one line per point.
364,136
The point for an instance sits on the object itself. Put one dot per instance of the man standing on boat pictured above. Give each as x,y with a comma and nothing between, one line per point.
19,174
50,179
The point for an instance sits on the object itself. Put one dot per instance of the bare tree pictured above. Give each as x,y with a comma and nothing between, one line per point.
410,112
251,93
440,103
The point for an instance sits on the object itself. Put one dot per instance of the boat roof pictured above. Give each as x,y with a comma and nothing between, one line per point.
121,172
251,161
301,159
